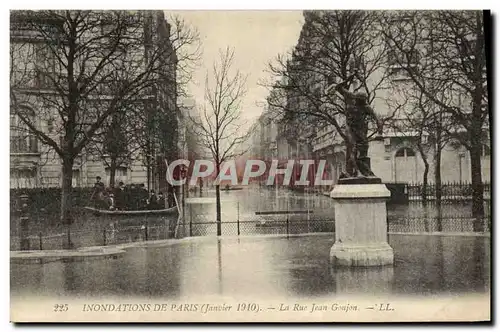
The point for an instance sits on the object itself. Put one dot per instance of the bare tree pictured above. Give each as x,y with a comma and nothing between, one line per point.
445,51
118,142
333,46
420,121
194,143
220,126
87,66
149,132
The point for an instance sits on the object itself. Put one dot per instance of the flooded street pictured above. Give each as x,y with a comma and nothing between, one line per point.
264,267
243,205
250,211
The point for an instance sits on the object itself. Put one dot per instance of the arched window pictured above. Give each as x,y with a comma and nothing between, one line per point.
22,139
405,152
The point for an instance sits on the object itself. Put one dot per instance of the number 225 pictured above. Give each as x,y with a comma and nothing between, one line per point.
60,307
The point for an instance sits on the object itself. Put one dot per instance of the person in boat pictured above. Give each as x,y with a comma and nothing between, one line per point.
120,196
130,199
143,196
111,200
133,198
161,201
152,201
98,193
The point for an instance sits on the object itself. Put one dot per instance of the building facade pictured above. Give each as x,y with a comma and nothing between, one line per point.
397,156
33,163
394,156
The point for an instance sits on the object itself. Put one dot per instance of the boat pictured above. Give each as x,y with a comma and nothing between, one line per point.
169,211
232,188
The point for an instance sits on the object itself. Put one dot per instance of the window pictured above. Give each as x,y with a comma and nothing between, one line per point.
405,152
22,140
23,178
120,174
387,144
399,60
45,66
50,125
76,179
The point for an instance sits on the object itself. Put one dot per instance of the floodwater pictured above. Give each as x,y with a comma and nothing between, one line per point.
263,266
243,213
243,204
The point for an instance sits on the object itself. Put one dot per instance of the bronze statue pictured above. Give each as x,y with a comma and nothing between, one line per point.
358,113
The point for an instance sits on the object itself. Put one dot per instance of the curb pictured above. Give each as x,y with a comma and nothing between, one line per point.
78,255
116,250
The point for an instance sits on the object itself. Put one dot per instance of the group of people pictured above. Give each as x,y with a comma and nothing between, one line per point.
126,197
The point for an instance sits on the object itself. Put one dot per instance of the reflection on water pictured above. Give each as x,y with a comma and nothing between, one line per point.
242,205
265,266
370,280
248,208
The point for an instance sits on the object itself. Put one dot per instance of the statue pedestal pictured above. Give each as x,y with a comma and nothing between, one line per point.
361,225
377,280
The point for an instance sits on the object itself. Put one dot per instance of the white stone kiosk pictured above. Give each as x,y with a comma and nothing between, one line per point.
361,223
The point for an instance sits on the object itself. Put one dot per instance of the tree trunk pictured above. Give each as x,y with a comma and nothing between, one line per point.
218,209
148,175
477,185
426,174
66,201
67,179
217,204
437,174
425,184
475,130
112,172
437,183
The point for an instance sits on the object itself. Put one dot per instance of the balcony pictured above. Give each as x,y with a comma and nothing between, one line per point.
23,145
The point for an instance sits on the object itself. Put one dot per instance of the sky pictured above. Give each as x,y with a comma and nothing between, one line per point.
257,38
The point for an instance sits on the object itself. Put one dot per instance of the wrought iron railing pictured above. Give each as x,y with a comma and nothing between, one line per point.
41,238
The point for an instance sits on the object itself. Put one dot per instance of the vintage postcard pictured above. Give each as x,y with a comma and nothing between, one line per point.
250,166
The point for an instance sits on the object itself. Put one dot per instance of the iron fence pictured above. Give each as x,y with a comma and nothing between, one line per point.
257,227
450,191
117,231
448,224
395,224
99,237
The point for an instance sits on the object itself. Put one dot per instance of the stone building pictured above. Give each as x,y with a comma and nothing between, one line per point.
34,164
395,156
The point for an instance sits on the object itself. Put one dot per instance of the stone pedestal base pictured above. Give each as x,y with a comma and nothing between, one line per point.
363,280
369,254
361,226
